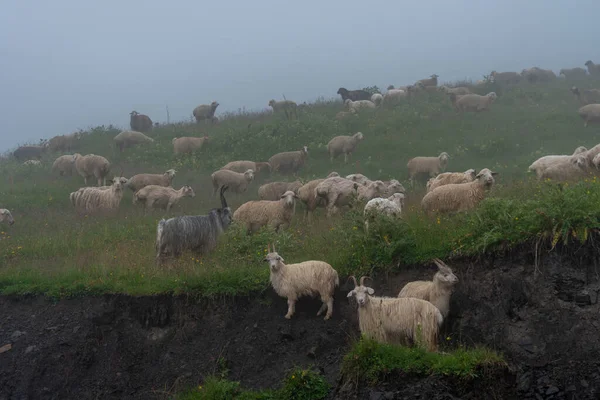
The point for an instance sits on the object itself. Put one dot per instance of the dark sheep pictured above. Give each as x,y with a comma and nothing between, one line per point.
354,95
140,122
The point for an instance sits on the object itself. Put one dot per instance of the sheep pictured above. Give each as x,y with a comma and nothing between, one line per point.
274,190
399,321
473,102
575,168
140,122
29,152
339,192
353,95
238,183
93,199
92,165
32,163
243,166
390,207
343,145
359,178
63,142
139,181
431,166
460,90
391,187
155,196
457,197
308,278
589,96
123,182
206,112
6,216
356,106
590,114
542,163
505,77
451,177
377,99
258,213
536,74
433,81
394,96
437,292
289,161
65,165
130,138
197,233
593,69
188,144
287,107
307,194
573,73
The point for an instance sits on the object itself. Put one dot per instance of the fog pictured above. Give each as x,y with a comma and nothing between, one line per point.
70,64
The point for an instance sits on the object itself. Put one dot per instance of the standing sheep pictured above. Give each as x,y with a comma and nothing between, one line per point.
432,81
573,73
377,99
139,181
399,321
589,96
205,112
6,216
593,69
289,161
394,96
274,190
437,292
356,106
343,145
505,78
473,102
127,139
155,196
187,144
306,193
535,74
234,180
338,192
359,178
258,213
65,165
140,122
286,107
92,165
457,197
24,153
353,95
590,114
243,166
93,199
308,278
451,177
63,142
431,166
390,208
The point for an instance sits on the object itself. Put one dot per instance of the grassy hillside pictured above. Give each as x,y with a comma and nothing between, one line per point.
51,250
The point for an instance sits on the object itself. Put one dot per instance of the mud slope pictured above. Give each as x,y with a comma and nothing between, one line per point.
546,322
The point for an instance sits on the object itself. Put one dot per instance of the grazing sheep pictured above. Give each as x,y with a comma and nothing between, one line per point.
92,165
542,163
433,81
589,96
353,95
33,162
287,107
535,74
274,190
399,321
140,122
24,153
155,196
65,165
377,99
437,292
139,181
390,207
308,278
289,161
93,199
258,213
593,69
431,166
243,166
206,112
343,145
573,73
391,187
590,114
188,144
394,96
575,168
356,106
127,139
473,102
460,90
505,78
338,192
451,177
6,216
307,194
197,233
63,142
238,183
457,197
359,178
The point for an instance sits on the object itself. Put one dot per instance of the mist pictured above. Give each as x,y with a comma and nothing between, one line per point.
69,64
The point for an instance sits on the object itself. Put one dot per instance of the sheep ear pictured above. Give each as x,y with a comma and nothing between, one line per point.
351,293
495,173
370,290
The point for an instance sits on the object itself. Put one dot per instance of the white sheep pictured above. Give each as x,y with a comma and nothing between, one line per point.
575,168
359,178
393,186
338,192
356,106
287,107
377,99
573,73
590,114
394,96
237,183
258,213
243,166
123,182
473,102
536,74
93,199
390,207
588,96
437,292
32,163
457,197
92,165
460,90
206,112
451,177
505,77
289,161
131,138
139,181
393,320
593,69
542,163
155,196
431,166
343,145
274,190
188,144
6,216
306,193
433,81
65,165
308,278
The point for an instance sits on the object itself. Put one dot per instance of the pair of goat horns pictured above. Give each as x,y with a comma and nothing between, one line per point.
269,248
362,280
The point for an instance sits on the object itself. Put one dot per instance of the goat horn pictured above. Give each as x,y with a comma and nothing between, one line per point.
223,201
274,247
439,262
269,247
362,280
353,279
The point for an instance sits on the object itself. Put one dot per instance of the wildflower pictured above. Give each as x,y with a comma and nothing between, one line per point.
200,387
19,248
354,228
293,376
448,338
516,218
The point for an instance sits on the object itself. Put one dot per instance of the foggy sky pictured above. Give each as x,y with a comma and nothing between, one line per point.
69,64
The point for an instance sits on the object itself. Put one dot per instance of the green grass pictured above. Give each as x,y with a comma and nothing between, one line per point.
52,251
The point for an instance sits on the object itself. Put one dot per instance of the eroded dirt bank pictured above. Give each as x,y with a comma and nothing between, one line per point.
546,321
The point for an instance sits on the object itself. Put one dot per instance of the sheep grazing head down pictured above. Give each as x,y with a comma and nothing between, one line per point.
444,275
5,215
486,177
361,292
273,259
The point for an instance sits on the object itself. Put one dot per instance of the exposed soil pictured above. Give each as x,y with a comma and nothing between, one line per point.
546,321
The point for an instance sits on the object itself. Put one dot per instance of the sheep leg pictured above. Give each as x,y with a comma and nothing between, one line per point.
291,308
323,308
345,158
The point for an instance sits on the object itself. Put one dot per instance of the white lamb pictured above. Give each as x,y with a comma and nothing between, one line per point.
6,216
431,166
258,213
237,183
156,196
390,207
343,145
356,106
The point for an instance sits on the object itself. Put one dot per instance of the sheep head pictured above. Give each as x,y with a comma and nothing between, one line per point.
575,90
249,175
133,113
361,292
397,198
274,259
358,136
289,198
588,63
596,161
579,150
342,91
444,276
434,76
304,150
5,215
214,105
580,161
486,177
271,103
170,173
188,191
395,187
444,157
333,174
492,95
470,174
